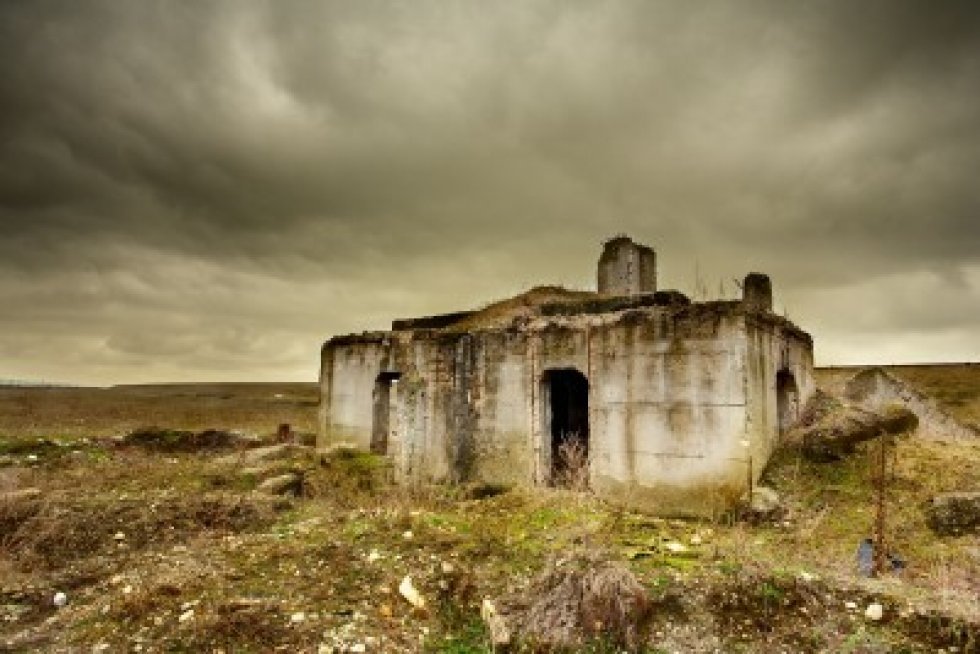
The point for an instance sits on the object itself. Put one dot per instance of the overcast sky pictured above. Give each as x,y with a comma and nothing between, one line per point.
208,190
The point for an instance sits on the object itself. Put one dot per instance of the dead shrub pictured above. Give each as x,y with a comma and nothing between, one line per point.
577,601
572,466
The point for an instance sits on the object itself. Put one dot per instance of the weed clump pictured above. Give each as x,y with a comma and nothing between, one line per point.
575,602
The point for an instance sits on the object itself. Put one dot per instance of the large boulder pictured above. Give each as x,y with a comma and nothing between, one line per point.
952,514
836,430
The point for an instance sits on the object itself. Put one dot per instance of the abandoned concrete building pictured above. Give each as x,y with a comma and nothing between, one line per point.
677,405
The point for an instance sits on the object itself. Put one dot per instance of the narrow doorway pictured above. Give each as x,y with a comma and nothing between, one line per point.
566,400
787,400
383,401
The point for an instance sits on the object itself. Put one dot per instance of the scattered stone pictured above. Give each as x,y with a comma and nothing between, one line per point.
60,599
290,483
297,617
675,548
954,514
874,612
186,615
850,606
763,505
119,536
410,593
373,556
408,535
499,633
358,648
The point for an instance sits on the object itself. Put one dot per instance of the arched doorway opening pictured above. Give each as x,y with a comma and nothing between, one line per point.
383,405
787,400
565,398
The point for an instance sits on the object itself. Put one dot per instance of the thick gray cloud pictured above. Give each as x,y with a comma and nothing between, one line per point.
206,190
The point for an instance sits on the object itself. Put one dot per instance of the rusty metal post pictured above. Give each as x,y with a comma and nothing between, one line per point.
879,528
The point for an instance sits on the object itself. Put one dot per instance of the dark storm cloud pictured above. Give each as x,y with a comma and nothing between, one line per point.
207,189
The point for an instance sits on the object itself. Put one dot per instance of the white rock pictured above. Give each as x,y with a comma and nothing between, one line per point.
807,577
101,647
447,568
408,535
850,605
358,648
60,599
297,617
120,536
675,547
409,592
875,611
696,539
186,615
373,556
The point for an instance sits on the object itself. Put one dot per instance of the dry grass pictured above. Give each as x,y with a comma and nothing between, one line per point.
73,413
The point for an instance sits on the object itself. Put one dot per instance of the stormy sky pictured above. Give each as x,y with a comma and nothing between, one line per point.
207,190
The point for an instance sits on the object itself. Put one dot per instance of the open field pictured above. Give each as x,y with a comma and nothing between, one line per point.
171,550
99,412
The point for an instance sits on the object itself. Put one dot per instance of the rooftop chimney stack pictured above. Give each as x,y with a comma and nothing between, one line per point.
627,268
757,292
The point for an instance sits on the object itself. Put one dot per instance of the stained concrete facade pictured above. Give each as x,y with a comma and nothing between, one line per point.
680,404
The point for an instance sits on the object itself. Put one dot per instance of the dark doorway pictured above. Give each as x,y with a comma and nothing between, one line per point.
382,411
566,396
787,400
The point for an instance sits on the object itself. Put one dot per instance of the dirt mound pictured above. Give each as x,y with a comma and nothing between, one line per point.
574,602
874,388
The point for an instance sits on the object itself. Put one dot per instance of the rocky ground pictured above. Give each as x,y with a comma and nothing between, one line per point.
185,540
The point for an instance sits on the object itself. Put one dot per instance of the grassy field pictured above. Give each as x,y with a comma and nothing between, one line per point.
99,412
176,551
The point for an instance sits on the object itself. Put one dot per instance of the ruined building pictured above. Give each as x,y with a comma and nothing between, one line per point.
678,404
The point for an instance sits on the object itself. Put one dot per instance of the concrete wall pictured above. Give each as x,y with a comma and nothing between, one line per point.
772,345
680,398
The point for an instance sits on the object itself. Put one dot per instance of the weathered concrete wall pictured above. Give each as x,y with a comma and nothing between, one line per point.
773,346
669,411
680,398
626,268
